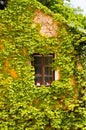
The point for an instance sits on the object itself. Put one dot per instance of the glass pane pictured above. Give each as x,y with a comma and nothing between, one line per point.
38,81
37,59
48,71
48,80
43,69
38,70
48,60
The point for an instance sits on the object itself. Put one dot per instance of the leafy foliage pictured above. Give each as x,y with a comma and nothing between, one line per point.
23,106
72,15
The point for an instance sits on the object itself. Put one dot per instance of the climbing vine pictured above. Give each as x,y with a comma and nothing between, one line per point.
24,106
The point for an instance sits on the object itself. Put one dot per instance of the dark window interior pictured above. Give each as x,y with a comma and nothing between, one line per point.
3,4
44,74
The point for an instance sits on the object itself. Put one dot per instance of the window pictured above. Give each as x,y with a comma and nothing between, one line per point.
44,74
3,4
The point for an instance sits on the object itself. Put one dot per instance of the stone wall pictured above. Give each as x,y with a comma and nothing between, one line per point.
48,26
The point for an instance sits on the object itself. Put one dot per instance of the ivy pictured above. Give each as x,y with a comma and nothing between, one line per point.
24,105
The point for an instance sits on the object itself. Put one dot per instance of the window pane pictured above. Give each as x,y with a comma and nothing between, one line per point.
43,69
38,81
48,60
48,71
38,70
48,80
37,59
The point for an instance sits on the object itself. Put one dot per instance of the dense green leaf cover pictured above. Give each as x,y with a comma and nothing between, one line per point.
23,106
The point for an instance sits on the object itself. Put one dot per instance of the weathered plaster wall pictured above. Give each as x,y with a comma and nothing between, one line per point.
48,26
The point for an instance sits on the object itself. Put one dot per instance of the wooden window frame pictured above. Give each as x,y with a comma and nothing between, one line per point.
43,65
